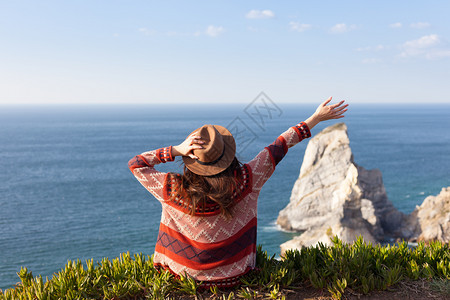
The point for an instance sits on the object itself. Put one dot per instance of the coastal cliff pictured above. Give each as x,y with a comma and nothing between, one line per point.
430,220
335,196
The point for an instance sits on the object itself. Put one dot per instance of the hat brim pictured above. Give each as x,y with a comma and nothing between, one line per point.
222,164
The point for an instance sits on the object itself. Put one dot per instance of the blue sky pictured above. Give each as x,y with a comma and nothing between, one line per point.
224,51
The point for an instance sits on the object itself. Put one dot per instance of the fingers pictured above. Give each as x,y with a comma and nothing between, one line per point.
338,109
337,104
339,114
326,101
198,141
194,136
195,146
193,156
195,139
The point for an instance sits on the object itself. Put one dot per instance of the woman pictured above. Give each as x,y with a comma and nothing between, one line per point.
209,214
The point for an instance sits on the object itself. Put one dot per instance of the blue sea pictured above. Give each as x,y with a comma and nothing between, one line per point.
66,192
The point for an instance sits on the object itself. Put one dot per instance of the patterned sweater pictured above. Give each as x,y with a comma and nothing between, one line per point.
207,246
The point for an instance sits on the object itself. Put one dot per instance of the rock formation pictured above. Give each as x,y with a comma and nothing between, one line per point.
431,220
335,196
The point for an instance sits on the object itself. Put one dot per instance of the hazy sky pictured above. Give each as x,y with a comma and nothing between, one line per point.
223,51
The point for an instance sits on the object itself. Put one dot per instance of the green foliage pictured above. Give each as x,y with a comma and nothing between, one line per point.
363,267
188,285
441,285
359,266
337,288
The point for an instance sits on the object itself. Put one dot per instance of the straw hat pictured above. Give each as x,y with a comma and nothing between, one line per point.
217,153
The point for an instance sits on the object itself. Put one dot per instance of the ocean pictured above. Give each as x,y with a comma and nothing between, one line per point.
66,191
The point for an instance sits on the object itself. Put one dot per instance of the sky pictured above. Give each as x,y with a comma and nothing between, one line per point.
139,51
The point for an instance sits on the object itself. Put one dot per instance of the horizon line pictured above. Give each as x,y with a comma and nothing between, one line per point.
205,103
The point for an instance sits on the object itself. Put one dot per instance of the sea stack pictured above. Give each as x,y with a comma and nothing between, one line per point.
431,220
334,196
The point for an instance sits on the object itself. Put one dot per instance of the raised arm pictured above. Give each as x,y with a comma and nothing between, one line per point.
263,165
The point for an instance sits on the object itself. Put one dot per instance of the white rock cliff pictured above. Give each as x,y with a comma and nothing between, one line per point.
430,220
335,196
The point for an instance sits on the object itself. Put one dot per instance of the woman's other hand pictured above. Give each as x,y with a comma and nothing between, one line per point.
327,112
191,143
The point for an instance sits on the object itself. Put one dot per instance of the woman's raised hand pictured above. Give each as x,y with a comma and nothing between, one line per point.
327,112
191,143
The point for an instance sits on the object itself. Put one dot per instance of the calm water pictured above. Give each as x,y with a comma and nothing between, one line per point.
66,191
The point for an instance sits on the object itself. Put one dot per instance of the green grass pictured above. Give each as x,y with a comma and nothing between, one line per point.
338,268
441,285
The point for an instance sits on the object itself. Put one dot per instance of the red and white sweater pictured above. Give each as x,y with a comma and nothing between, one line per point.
207,246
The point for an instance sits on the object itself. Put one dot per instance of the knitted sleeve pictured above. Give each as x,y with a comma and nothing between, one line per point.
263,165
142,166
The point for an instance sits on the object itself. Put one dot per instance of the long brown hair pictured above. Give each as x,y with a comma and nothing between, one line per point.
218,188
